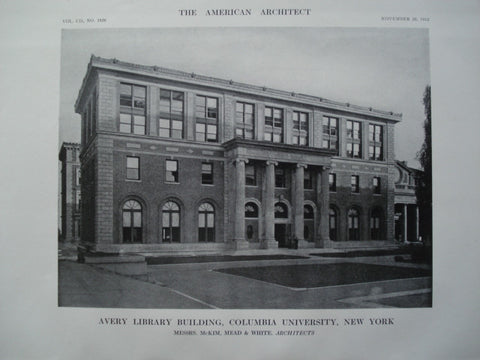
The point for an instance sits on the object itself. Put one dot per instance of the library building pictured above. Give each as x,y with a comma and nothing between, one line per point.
176,161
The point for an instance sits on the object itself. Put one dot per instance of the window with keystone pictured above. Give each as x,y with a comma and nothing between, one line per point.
308,212
206,223
281,211
251,210
171,222
353,224
132,222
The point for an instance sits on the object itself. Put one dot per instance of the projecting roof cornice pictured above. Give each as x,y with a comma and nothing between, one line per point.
195,79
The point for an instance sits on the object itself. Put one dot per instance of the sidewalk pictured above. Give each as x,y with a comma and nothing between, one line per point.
83,285
68,251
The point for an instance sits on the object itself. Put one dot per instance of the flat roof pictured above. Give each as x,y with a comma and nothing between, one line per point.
192,78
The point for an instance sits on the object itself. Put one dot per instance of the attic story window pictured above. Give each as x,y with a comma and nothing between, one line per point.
132,109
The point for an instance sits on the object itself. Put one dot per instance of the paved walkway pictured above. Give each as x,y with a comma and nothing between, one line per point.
83,285
198,285
226,291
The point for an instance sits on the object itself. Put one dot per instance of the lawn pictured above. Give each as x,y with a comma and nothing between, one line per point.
320,275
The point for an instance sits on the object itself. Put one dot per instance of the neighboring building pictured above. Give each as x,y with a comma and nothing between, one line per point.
70,192
407,214
177,161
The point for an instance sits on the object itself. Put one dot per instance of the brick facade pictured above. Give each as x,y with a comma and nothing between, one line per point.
152,223
70,192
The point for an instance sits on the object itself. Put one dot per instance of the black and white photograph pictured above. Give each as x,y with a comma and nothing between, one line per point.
239,180
245,168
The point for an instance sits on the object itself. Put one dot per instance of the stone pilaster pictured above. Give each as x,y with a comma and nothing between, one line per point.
342,137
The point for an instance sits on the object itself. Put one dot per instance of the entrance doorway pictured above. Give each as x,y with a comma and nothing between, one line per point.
281,235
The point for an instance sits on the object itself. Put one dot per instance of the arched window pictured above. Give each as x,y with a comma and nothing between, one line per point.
308,223
281,211
306,232
251,210
308,212
353,224
171,222
132,222
375,220
206,223
249,232
332,224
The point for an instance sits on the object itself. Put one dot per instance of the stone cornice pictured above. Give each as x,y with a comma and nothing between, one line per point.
67,145
195,79
281,153
265,145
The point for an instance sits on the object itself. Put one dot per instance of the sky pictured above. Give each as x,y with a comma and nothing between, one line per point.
383,68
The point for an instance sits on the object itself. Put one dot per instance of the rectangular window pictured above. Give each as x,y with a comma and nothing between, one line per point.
85,127
355,184
77,176
273,131
89,120
90,116
375,138
170,122
244,120
171,171
307,180
354,139
93,112
330,133
376,185
133,168
332,182
300,128
206,114
207,173
280,177
132,109
78,199
250,175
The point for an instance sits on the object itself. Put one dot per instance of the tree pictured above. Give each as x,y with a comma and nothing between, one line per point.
424,181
